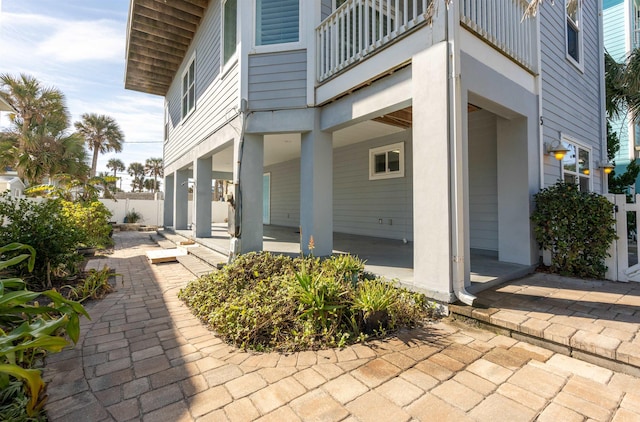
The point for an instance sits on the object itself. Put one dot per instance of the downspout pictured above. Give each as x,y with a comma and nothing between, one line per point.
243,113
456,180
604,158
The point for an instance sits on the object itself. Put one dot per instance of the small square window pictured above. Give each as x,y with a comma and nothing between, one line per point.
277,21
386,162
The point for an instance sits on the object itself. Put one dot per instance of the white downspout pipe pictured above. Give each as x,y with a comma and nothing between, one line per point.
456,179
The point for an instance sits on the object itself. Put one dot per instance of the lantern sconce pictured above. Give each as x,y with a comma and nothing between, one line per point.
557,150
606,166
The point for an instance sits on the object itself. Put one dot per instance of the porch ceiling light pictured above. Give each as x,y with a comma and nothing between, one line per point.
557,150
607,167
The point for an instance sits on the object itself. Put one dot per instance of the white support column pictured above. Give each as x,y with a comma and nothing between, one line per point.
251,170
316,190
181,203
515,238
202,197
431,172
169,188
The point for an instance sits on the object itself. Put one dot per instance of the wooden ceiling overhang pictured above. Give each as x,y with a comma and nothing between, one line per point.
158,37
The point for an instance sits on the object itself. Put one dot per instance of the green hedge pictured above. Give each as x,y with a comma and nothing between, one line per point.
577,227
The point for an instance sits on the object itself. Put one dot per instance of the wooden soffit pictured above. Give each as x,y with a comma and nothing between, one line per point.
158,37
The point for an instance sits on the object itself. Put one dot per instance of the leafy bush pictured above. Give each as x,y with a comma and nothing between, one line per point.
92,219
95,286
44,226
27,332
132,216
273,302
577,227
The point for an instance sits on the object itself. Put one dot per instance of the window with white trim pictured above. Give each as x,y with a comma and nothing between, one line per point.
277,21
189,89
573,17
576,165
229,30
386,162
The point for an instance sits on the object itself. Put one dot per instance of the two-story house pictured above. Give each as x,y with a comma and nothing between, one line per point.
429,123
621,28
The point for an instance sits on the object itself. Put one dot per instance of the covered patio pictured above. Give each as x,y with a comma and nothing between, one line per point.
388,258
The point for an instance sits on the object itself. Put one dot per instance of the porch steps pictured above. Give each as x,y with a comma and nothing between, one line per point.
199,260
195,265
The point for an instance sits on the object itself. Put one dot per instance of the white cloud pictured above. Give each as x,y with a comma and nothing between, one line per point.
63,40
81,41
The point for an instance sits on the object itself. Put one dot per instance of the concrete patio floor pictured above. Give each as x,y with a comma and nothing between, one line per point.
143,356
389,258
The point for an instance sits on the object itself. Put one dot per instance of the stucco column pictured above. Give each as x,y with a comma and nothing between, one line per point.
202,197
316,190
169,187
181,203
431,202
251,170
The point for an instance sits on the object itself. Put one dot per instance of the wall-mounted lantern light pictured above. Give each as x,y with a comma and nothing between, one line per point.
606,166
557,150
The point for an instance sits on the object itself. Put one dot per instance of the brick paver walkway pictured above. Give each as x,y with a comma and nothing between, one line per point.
597,320
145,357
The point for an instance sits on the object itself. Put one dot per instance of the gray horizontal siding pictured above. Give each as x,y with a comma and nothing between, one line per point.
570,98
285,193
278,80
483,181
216,93
358,203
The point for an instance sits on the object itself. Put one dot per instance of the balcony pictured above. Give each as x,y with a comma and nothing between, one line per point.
359,28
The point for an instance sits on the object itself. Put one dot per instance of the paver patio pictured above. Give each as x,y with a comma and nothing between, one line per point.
143,356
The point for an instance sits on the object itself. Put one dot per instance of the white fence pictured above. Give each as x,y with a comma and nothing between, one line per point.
152,211
624,263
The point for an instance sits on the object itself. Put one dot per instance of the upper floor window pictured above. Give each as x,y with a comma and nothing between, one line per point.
277,21
636,26
229,30
189,89
576,165
573,12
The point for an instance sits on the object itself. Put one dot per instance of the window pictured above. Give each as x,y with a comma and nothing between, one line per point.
386,162
166,121
229,30
277,21
189,89
576,165
573,9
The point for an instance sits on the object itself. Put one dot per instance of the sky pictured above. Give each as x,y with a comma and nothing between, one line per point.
78,47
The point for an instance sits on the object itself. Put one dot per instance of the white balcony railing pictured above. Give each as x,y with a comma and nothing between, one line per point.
359,27
500,23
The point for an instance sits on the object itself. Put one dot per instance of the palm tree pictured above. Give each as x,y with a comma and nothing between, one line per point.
36,144
622,82
102,134
151,185
116,165
153,167
136,170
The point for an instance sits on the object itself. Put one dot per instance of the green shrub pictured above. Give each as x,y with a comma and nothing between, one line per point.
95,286
44,226
273,302
577,227
27,332
91,218
132,216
